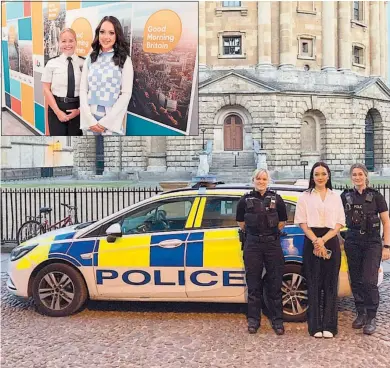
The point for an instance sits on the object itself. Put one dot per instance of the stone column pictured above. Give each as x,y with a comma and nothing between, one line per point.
285,39
202,35
328,36
375,43
344,27
157,158
264,34
383,36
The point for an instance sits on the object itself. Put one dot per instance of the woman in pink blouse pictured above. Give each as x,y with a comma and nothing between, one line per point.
320,214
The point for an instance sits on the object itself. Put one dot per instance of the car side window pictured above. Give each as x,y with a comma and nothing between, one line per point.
101,230
290,207
168,215
220,212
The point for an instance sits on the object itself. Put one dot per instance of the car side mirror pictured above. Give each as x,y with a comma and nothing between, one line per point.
113,232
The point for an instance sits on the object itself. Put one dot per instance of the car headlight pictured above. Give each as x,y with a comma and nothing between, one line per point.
21,251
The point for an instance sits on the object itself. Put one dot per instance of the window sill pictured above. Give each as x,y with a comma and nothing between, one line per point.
357,23
303,57
231,56
220,10
359,65
311,12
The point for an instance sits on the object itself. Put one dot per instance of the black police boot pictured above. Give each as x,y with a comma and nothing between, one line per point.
279,329
252,329
360,321
369,327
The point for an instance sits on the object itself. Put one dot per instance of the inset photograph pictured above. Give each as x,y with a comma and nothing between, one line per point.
56,52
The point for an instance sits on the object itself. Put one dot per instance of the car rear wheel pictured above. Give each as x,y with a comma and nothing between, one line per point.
59,290
294,294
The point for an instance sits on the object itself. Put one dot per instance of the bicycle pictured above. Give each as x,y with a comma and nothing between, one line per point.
33,227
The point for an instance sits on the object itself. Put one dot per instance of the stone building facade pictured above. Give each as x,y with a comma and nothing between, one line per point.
285,81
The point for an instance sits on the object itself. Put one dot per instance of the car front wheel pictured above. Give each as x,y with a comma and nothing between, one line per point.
59,290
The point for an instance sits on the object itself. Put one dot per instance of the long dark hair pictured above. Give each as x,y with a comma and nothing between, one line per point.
311,180
121,46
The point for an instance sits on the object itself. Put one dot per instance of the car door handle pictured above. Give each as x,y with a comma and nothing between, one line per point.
171,243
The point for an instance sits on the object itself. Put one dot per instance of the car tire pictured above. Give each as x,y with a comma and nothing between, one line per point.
294,294
59,290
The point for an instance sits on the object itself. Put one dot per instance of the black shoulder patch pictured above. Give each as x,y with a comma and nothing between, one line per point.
54,57
272,192
347,190
373,190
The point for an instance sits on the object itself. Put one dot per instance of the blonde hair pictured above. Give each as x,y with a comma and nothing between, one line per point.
361,167
257,172
70,30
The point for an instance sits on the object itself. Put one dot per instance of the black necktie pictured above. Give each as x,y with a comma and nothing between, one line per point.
71,84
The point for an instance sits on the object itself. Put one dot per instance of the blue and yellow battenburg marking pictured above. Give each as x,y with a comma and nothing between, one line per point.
204,249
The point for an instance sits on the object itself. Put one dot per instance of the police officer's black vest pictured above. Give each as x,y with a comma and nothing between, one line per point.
363,217
261,216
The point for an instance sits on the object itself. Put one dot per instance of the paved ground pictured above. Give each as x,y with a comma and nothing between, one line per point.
121,334
12,126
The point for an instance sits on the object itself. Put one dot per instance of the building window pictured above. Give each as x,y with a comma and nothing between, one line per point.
358,55
358,15
231,45
231,4
306,47
358,11
306,7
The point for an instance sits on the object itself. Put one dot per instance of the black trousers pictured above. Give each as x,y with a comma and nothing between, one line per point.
322,275
257,255
69,128
364,254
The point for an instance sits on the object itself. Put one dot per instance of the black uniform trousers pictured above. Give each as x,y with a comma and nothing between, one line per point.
364,254
322,275
260,252
69,128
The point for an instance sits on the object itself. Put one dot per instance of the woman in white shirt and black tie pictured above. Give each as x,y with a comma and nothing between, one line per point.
61,86
320,214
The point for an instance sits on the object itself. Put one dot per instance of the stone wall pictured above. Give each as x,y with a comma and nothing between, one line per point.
84,157
342,129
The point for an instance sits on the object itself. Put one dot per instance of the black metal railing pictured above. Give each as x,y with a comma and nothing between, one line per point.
18,205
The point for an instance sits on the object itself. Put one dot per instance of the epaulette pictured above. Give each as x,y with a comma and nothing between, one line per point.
54,57
348,190
272,192
373,190
81,57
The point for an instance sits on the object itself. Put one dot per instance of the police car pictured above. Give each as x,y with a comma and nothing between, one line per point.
181,245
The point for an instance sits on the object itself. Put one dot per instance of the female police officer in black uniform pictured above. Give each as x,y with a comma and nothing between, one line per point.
363,245
61,85
262,214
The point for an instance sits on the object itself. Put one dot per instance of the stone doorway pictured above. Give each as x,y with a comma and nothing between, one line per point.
233,133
